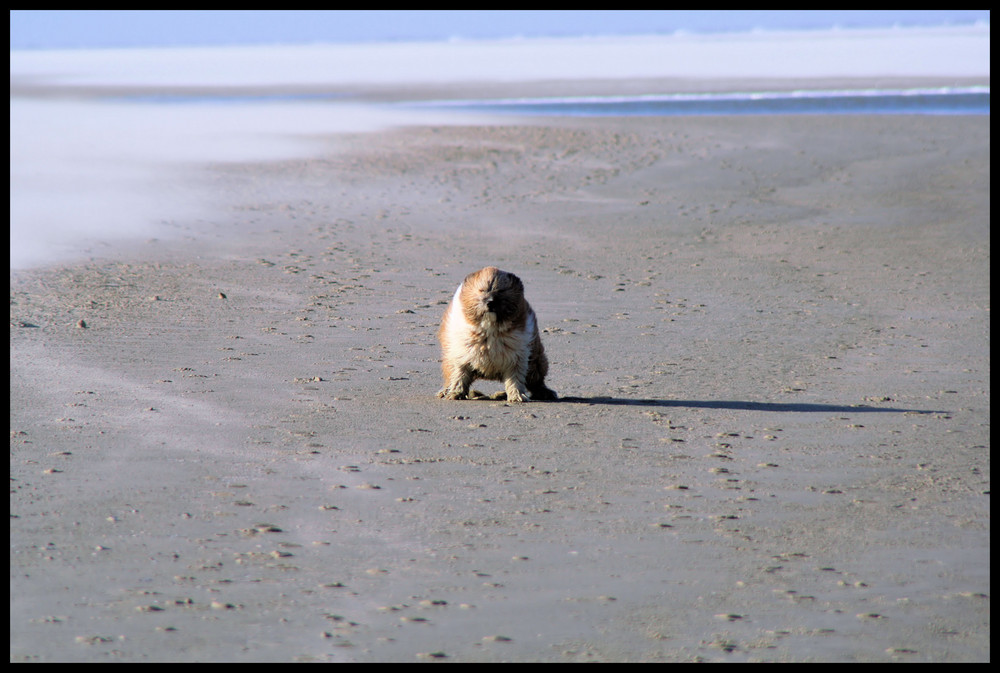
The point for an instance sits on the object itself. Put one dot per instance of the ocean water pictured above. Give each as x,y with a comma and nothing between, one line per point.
94,29
973,100
87,170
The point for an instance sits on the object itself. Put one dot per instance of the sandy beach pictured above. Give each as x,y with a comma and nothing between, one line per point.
770,336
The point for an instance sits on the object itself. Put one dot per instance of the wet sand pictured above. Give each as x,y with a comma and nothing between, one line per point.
771,339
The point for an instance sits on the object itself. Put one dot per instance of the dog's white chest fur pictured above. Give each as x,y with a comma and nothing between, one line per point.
487,346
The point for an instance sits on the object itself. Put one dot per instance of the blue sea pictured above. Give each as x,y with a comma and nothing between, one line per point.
933,101
97,29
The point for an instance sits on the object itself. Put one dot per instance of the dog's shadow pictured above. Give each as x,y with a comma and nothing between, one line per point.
740,405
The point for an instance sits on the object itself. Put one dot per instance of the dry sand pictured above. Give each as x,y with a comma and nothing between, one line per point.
771,336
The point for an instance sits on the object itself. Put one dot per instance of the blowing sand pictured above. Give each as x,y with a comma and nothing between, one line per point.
771,339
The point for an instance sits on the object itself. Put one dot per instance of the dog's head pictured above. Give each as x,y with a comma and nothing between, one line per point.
492,295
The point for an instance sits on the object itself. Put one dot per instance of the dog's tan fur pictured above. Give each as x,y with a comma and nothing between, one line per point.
489,332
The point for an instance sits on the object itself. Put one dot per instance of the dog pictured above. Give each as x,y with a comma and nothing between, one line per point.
489,331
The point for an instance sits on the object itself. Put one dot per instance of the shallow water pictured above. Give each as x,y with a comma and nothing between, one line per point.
960,100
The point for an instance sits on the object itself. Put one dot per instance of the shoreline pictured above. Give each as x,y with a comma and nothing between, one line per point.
772,335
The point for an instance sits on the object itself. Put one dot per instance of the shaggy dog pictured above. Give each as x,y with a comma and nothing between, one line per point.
489,332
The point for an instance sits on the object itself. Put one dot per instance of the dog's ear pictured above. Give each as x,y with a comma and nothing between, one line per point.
516,284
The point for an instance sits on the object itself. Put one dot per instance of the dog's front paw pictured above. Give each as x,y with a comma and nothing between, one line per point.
543,393
450,394
515,396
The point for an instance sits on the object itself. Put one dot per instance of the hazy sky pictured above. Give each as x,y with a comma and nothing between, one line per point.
34,29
